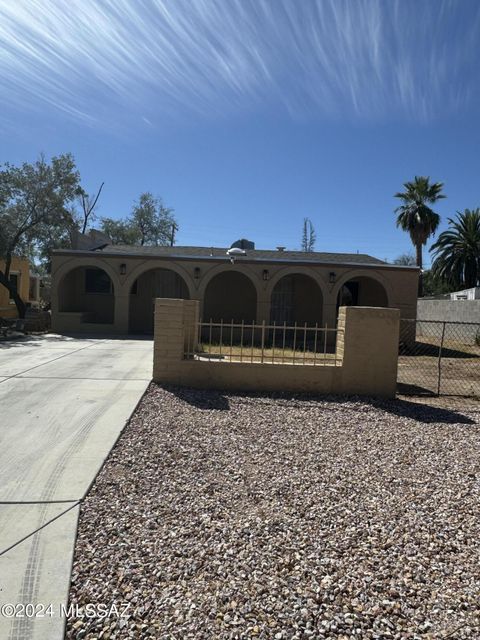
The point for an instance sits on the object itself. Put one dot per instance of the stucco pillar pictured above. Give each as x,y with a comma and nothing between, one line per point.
329,315
263,310
198,299
121,313
368,345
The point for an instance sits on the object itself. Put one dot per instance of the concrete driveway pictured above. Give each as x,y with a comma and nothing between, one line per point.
63,403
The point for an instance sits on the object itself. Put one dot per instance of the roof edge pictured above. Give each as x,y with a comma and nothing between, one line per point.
240,259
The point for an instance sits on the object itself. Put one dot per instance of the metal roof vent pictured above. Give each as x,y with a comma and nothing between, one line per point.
236,251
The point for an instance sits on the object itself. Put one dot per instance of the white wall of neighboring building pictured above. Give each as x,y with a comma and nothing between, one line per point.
466,294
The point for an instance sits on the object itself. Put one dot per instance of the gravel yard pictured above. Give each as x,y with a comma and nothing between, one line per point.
242,516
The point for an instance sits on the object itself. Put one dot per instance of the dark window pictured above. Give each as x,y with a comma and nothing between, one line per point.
97,281
32,289
349,295
15,281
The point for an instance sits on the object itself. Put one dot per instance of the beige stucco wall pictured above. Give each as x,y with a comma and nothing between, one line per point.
400,284
367,344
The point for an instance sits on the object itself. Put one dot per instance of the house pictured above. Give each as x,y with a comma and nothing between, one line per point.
466,294
112,288
27,285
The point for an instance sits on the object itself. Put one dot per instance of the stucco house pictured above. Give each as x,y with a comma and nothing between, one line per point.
27,285
112,288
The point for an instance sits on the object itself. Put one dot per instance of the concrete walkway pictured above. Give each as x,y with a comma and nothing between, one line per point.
63,403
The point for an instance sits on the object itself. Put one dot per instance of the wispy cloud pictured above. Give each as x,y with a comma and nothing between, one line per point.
105,61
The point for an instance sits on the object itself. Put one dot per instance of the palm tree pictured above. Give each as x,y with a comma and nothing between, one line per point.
416,217
457,251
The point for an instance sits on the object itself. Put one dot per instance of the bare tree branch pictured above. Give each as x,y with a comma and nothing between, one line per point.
88,206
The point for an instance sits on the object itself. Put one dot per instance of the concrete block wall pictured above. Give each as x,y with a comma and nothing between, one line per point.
367,344
434,312
449,310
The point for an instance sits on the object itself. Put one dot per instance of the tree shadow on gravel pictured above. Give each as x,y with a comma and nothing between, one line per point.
207,399
201,398
421,412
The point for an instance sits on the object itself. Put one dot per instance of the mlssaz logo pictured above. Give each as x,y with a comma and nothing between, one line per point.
91,610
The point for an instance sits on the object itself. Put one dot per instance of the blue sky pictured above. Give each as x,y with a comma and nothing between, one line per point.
248,115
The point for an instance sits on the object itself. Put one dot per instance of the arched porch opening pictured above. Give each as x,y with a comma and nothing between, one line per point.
230,295
296,298
88,292
363,292
152,284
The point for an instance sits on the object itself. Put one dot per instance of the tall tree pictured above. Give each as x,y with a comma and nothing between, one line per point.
119,231
153,220
308,236
405,259
434,286
415,215
457,251
150,223
35,210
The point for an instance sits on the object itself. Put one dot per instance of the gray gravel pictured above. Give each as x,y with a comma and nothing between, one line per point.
259,517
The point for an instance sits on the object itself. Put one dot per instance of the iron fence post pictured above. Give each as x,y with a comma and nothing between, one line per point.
263,340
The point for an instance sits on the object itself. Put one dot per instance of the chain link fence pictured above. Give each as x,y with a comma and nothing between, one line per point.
439,358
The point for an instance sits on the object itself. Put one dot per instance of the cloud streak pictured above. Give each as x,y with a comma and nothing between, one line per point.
106,62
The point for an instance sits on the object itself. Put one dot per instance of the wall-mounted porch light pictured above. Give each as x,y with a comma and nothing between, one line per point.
332,276
123,269
196,273
266,275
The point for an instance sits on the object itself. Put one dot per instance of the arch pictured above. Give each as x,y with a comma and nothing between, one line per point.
315,275
87,288
230,295
363,288
150,265
156,282
74,263
210,274
296,297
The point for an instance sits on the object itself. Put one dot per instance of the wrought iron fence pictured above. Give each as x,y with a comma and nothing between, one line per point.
439,358
263,343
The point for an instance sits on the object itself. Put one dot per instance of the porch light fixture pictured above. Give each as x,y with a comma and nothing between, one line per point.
196,273
332,276
266,275
123,269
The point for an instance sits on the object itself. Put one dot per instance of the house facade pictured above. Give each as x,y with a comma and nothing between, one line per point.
27,285
112,289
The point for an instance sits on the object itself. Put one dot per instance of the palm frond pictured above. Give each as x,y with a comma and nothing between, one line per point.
457,250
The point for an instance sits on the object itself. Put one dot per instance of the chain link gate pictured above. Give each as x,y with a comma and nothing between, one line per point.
439,358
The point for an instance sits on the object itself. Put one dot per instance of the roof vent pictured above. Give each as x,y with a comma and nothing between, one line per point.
246,245
280,248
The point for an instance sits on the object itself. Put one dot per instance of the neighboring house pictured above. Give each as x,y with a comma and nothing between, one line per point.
27,285
112,288
465,294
